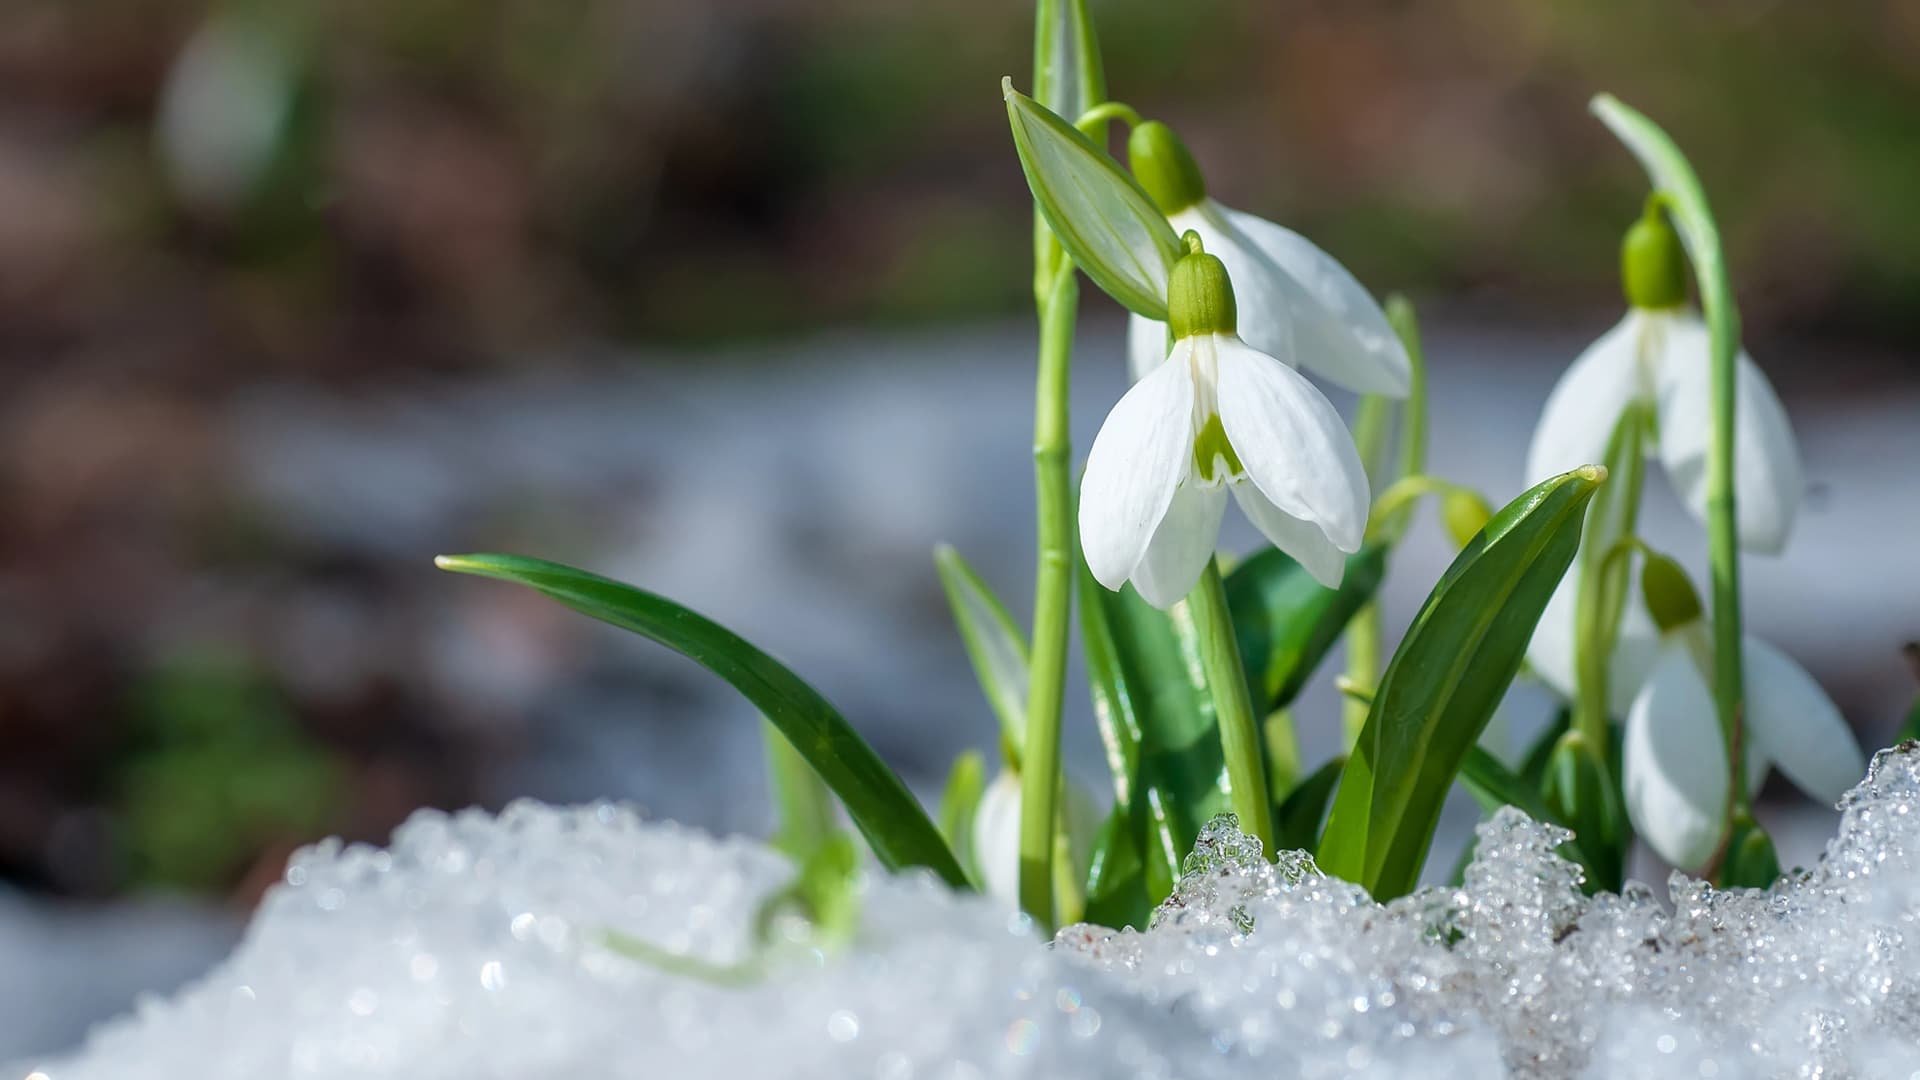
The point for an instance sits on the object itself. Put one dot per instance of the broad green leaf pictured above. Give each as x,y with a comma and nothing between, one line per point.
1533,765
1157,720
1445,680
966,783
1286,622
1305,807
879,803
994,643
1106,223
1117,878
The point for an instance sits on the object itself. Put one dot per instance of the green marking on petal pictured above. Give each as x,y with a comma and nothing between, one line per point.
1211,446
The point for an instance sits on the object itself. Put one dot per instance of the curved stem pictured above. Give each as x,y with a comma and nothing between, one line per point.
1052,599
1089,122
1239,727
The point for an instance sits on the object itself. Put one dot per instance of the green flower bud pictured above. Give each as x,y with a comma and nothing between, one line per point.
1653,265
1751,861
1670,596
1464,513
1163,166
1200,295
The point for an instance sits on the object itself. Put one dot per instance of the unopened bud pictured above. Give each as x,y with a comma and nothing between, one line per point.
1163,166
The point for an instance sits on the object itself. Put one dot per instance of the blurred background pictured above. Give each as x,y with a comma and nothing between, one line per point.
731,300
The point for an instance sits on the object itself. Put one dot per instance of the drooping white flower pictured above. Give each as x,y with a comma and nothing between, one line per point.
996,835
1674,755
1296,302
1217,415
1658,355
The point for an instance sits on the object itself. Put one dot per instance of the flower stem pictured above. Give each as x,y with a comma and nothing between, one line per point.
1723,554
1239,727
802,804
1363,668
1052,599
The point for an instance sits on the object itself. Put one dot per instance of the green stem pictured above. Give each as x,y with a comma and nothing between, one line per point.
1723,553
1052,600
1239,727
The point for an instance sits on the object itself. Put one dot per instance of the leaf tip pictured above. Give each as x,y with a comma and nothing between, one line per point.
1007,92
450,562
1602,103
1593,474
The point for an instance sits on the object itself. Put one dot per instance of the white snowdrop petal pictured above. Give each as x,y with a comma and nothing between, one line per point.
1146,345
1767,476
1675,764
1181,546
1797,726
996,838
1292,443
1338,331
1586,403
1302,540
1142,453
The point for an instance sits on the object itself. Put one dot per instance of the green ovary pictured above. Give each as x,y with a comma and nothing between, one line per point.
1211,446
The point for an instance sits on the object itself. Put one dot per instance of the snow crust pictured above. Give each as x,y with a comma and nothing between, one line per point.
481,947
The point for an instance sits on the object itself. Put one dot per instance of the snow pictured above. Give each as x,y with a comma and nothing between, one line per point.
478,947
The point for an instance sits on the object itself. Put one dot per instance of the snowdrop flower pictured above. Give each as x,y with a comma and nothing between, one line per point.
1216,415
996,835
1658,355
1674,755
1296,302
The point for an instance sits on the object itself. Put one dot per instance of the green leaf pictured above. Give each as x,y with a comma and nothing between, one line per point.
1605,567
1157,719
1117,878
959,800
1445,680
1533,766
1305,807
1286,622
1103,219
879,803
994,643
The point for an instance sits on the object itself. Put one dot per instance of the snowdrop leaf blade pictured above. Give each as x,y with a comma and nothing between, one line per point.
995,645
1670,172
959,801
1493,786
1301,813
1577,787
1444,682
1117,877
877,800
1157,717
1106,223
1286,622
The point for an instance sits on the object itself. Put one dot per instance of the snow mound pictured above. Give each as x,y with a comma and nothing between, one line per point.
478,947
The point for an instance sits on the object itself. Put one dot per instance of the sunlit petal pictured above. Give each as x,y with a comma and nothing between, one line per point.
1142,453
1797,726
1768,481
1338,330
1181,545
1586,403
1294,446
1302,540
996,838
1550,655
1264,313
1675,764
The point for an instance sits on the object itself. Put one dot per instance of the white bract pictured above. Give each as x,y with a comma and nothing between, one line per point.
1674,757
1217,415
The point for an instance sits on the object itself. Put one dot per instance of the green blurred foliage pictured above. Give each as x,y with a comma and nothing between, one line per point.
215,772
